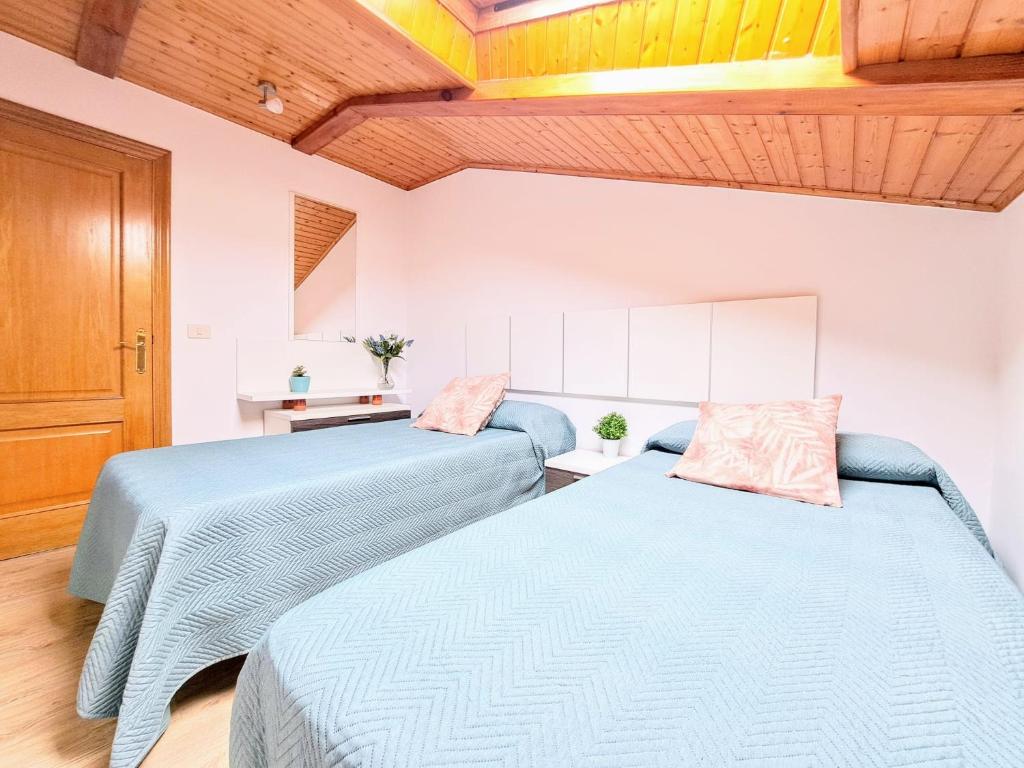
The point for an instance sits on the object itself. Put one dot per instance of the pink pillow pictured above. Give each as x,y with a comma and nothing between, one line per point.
464,406
786,449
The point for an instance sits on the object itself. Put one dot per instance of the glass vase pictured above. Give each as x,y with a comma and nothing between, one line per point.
386,382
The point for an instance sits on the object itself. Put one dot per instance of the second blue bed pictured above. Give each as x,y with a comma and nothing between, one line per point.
632,621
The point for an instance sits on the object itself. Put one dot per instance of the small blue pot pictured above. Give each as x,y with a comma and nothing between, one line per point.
298,383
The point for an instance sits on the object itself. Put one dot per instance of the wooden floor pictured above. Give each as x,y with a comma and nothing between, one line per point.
44,634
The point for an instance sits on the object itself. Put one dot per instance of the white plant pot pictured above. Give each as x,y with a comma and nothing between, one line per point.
610,448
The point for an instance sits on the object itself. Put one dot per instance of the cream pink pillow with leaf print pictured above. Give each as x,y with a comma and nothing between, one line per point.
464,406
786,449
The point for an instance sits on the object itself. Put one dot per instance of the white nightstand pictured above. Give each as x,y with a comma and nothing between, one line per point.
560,471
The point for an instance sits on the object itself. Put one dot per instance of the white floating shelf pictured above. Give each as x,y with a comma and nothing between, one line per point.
333,394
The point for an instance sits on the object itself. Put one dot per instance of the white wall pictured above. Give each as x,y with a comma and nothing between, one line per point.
905,312
326,301
230,218
1006,525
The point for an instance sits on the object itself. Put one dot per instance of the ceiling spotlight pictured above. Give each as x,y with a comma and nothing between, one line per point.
269,99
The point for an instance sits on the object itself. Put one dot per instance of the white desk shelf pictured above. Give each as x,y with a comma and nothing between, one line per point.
331,394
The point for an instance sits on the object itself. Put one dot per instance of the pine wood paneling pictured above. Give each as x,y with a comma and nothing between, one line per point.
871,152
602,38
53,25
909,30
1006,184
779,146
434,26
997,27
827,37
758,23
837,136
951,142
799,22
748,137
995,147
949,161
212,53
401,151
911,137
655,33
317,229
806,138
936,29
728,147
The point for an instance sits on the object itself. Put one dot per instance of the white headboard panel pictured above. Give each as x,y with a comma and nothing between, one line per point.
763,349
263,365
487,346
728,351
537,352
670,352
596,352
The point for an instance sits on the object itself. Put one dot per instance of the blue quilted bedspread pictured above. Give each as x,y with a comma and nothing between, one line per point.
196,549
636,620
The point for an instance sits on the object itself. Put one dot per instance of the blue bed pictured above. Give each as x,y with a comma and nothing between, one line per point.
197,549
636,620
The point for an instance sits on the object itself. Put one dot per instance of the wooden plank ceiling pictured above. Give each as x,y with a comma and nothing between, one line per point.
966,162
945,139
657,33
212,53
913,30
318,228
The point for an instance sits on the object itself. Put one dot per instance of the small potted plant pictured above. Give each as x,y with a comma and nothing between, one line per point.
299,380
611,429
386,349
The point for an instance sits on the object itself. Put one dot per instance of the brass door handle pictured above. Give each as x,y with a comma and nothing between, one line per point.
140,349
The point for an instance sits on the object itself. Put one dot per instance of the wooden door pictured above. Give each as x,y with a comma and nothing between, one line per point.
82,275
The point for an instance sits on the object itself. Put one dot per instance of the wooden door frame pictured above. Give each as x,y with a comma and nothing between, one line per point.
161,162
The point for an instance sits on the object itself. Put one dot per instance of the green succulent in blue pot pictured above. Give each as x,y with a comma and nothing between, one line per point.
299,380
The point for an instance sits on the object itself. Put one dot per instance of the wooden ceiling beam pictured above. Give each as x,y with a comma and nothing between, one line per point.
340,120
103,34
989,85
984,85
347,115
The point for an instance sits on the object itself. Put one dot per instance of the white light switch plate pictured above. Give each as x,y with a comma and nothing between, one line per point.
196,331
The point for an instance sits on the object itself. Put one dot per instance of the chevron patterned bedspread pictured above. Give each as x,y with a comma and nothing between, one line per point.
636,620
196,549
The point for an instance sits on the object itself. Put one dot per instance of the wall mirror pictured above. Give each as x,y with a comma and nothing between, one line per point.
324,275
